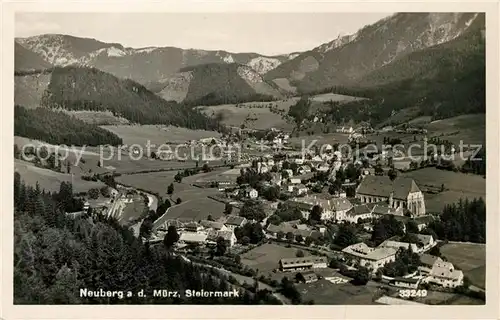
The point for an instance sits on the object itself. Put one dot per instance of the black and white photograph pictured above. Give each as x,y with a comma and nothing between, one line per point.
251,158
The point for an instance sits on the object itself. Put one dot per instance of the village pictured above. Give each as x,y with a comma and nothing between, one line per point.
314,219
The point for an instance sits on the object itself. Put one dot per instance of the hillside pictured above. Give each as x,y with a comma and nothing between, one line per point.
441,81
59,128
144,65
25,59
81,88
349,58
217,83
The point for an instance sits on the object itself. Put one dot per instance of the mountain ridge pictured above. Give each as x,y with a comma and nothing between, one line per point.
348,58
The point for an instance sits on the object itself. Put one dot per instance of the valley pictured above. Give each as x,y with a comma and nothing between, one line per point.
305,171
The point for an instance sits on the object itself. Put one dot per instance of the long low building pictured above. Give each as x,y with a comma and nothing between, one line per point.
371,258
303,263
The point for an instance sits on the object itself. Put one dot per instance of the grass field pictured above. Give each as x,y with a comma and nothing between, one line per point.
326,293
471,129
458,185
266,257
196,209
326,138
156,134
50,180
470,258
254,115
326,97
157,182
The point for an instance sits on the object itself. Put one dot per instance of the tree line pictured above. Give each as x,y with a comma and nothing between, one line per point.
57,127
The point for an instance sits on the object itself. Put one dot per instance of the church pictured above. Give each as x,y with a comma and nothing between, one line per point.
398,193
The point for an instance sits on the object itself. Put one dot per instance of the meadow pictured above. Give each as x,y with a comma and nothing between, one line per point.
50,180
266,257
326,293
157,134
468,257
253,115
458,185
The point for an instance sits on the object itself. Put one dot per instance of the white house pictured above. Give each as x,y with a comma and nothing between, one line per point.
357,213
228,236
444,274
371,258
295,180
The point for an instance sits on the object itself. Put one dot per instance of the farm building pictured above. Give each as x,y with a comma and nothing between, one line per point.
372,258
401,192
304,263
193,238
357,213
308,277
332,208
233,222
213,225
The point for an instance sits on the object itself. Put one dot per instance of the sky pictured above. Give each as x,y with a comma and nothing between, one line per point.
265,33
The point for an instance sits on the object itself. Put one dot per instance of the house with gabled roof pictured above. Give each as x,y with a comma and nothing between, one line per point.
233,222
357,213
402,192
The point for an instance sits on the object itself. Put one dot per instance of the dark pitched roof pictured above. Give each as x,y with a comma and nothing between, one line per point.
382,186
235,220
428,259
424,219
358,210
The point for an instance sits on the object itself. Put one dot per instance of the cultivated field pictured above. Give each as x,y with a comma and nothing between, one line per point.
254,115
327,293
158,182
458,185
471,129
326,138
195,210
470,258
266,257
157,134
50,180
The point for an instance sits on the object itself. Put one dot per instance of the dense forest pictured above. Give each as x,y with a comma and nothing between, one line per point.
78,88
57,127
463,221
55,256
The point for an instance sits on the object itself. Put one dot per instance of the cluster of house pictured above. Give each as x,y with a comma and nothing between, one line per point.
433,269
204,232
376,258
378,195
